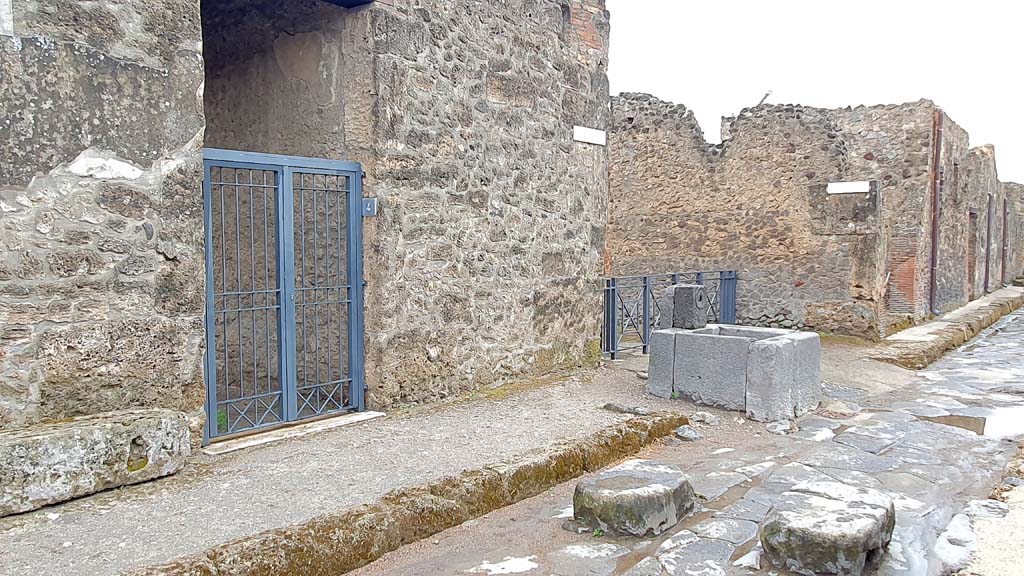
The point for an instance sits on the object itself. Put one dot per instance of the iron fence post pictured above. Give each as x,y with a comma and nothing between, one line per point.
613,309
727,298
646,303
675,279
700,278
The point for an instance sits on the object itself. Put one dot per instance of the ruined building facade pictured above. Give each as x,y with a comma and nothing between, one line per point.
480,265
809,255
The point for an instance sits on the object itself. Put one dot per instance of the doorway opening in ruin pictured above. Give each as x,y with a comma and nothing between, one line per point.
284,327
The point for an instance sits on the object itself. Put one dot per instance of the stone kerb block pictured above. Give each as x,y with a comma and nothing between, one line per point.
771,374
806,371
660,370
711,369
769,393
51,463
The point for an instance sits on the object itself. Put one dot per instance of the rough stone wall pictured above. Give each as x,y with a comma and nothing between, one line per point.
954,220
484,262
1015,193
984,196
276,78
758,204
101,291
892,145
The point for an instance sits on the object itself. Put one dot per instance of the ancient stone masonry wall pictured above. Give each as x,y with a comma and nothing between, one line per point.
954,220
758,204
986,196
484,262
101,290
892,145
1014,192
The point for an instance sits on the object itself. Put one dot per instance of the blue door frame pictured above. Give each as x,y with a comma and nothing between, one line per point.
259,344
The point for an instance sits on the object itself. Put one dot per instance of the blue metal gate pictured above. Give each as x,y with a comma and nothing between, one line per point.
284,289
632,305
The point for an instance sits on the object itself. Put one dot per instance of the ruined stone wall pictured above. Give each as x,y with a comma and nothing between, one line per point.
984,194
758,204
276,78
951,280
101,275
1015,193
892,145
484,262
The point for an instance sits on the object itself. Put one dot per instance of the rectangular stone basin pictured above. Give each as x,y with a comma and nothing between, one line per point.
771,374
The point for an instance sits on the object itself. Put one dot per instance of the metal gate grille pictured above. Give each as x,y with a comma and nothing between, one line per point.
284,289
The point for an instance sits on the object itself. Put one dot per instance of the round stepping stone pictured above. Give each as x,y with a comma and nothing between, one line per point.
828,528
637,497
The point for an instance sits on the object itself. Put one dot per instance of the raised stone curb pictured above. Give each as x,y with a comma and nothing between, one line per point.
916,355
51,463
345,540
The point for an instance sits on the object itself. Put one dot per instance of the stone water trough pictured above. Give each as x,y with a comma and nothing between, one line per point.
771,374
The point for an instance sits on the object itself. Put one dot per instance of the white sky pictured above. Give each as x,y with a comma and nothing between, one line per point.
719,56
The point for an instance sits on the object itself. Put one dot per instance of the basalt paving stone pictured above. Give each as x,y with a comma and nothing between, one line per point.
795,473
844,457
918,409
744,509
703,556
592,559
713,484
868,440
818,422
851,477
758,469
731,530
647,567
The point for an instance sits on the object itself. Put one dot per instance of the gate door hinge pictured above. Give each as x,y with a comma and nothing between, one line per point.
369,207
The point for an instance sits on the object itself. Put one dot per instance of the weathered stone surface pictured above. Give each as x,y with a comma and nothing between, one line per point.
51,463
647,567
699,556
806,391
689,306
770,380
637,497
711,369
687,433
986,509
732,530
661,367
828,528
955,544
745,509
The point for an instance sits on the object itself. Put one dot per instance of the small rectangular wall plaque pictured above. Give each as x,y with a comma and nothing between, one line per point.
589,135
6,17
859,187
369,207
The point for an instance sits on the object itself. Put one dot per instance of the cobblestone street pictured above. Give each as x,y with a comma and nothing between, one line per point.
935,444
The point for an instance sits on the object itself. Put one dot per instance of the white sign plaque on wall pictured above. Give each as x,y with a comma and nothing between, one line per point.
588,135
861,187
